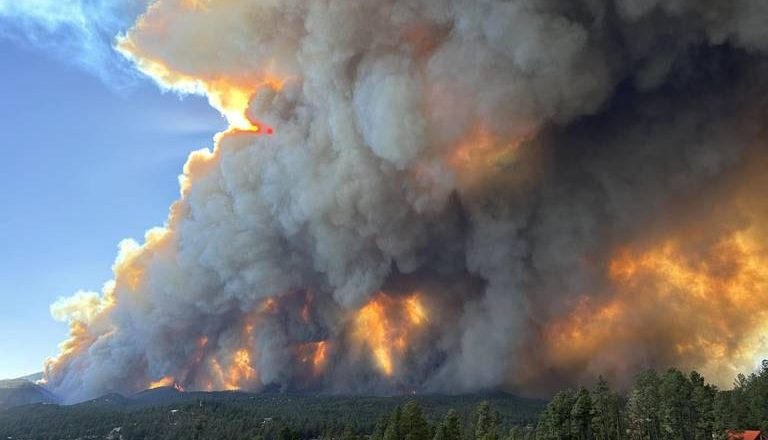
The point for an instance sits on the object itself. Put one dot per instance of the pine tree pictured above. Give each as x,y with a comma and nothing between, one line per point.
486,422
757,396
606,412
450,428
581,415
413,425
516,433
555,421
675,404
644,407
380,428
703,407
393,426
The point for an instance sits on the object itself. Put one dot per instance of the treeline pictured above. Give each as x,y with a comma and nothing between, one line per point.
166,414
409,423
660,406
666,406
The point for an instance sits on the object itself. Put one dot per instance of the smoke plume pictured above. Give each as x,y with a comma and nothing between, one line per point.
445,196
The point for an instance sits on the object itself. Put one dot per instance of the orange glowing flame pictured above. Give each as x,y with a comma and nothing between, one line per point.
239,375
385,324
162,382
305,310
415,310
314,353
269,306
166,381
479,152
705,304
241,370
230,96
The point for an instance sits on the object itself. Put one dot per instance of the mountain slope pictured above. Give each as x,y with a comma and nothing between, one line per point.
15,392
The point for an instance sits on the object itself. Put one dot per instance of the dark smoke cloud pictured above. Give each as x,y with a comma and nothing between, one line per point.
489,157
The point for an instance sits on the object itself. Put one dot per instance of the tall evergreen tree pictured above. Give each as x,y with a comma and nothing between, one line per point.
606,412
676,414
380,428
757,396
450,428
581,412
517,433
413,425
703,407
555,421
393,426
486,422
644,407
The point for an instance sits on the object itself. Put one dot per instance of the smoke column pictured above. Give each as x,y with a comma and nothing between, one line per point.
445,196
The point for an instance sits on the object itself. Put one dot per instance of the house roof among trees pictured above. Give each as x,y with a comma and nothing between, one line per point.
745,435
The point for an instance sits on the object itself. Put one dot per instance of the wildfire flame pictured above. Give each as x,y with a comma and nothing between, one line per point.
162,382
384,326
314,354
241,370
706,305
166,381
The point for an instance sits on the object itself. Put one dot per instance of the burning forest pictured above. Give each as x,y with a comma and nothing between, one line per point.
444,196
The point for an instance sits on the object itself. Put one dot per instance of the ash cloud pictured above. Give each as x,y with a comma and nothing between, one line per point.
527,172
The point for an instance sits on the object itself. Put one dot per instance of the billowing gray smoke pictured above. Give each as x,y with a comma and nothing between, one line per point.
445,195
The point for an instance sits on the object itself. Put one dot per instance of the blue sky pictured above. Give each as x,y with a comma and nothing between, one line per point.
89,157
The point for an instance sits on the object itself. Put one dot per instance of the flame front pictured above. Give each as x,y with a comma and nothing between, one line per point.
314,354
385,324
162,382
704,303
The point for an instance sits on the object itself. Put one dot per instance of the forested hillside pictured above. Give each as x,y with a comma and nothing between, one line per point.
168,414
20,391
660,406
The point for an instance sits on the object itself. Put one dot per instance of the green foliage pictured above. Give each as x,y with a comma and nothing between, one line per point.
520,433
486,422
450,428
644,407
581,416
348,434
380,428
606,413
413,425
236,415
668,406
392,431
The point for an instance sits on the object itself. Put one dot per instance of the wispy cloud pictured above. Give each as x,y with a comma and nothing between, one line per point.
81,32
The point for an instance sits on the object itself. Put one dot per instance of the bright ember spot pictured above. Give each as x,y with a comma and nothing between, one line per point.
384,326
